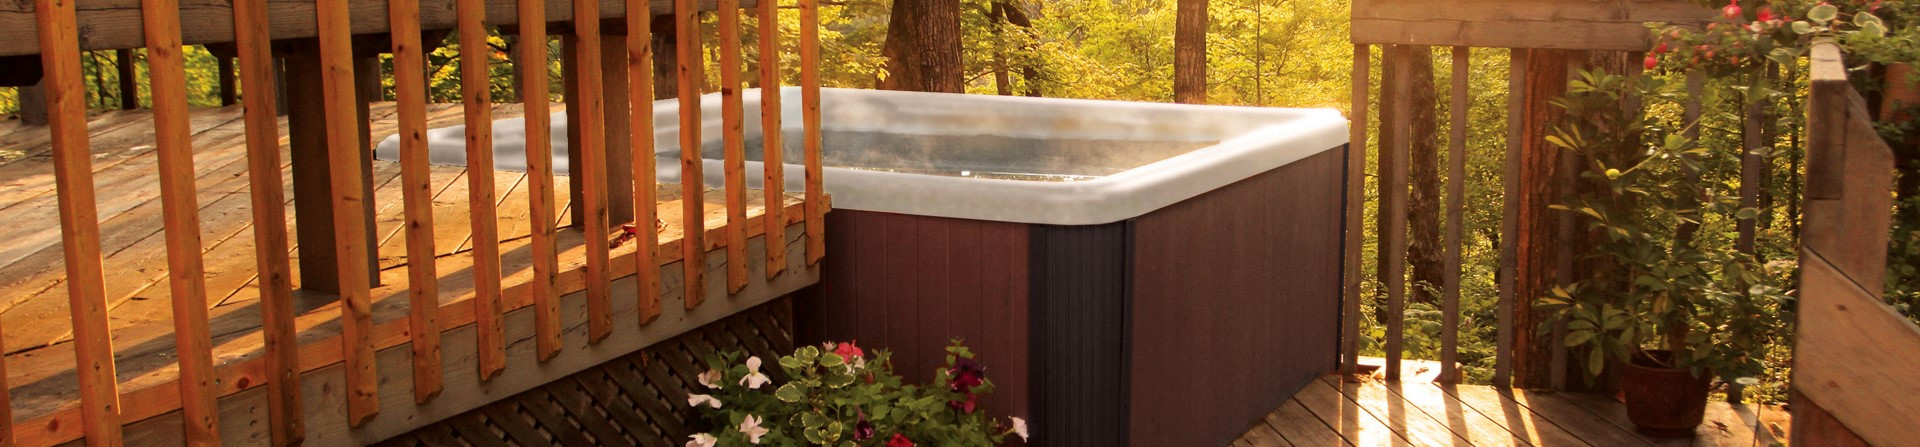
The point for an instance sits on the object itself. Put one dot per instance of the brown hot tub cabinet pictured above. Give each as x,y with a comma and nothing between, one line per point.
1131,274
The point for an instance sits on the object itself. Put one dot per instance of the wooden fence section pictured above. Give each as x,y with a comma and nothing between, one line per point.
456,300
1618,25
1853,354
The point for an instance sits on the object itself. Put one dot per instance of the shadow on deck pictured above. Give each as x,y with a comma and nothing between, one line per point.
1368,410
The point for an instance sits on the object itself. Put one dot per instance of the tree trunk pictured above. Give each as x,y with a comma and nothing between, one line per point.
923,47
1538,244
1423,205
1190,52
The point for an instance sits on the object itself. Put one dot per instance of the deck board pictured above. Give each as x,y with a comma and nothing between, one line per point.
40,359
1370,411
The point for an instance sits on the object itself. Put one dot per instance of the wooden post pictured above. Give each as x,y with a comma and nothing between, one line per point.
772,158
592,166
352,240
1503,355
477,107
307,124
640,95
570,95
227,86
66,104
33,104
258,68
423,280
810,124
620,135
1456,218
129,92
692,184
1393,194
1356,197
533,53
733,143
186,272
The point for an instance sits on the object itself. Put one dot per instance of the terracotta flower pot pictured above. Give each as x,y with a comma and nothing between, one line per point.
1663,402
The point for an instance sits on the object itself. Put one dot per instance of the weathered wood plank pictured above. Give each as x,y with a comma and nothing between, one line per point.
645,209
80,233
349,219
540,179
1399,415
1354,424
1394,197
186,272
1456,217
1450,412
1509,221
1502,408
1300,427
1588,25
593,165
417,188
477,98
688,70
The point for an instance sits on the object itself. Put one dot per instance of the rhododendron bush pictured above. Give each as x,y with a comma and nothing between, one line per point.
837,394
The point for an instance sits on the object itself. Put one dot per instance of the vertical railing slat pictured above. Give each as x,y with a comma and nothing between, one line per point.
772,158
1395,196
692,183
6,405
645,212
416,194
593,166
733,139
186,271
810,122
80,229
1356,196
350,239
483,216
1456,212
286,421
533,88
1509,219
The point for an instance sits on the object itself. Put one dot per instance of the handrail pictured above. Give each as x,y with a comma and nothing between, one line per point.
203,381
1853,354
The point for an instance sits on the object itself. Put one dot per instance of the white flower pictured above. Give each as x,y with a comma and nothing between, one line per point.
754,378
1020,427
751,427
711,378
697,399
702,440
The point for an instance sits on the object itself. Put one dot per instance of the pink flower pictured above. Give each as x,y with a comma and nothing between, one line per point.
750,426
848,351
1652,62
1732,11
899,440
1661,49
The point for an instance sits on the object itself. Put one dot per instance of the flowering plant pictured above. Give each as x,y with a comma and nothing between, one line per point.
835,394
1782,30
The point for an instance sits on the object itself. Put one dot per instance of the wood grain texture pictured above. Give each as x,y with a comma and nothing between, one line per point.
349,219
772,150
1393,197
186,272
1509,223
810,125
592,147
688,69
477,98
1456,217
417,188
274,270
733,141
80,231
1356,198
541,213
645,215
1586,25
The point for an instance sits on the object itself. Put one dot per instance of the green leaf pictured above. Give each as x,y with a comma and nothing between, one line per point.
1575,338
831,360
1801,27
1863,18
1823,13
1596,361
789,393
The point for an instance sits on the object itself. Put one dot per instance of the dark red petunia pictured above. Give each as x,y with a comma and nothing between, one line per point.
899,440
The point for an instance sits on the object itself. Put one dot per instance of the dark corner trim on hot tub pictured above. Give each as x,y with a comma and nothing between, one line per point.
1340,280
1080,333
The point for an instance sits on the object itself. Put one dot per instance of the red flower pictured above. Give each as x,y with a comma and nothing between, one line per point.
1766,15
899,440
1661,49
1732,11
1652,62
848,351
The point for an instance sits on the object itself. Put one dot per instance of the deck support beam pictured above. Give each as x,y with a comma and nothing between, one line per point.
312,195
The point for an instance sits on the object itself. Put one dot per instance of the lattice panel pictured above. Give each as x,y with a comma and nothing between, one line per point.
636,400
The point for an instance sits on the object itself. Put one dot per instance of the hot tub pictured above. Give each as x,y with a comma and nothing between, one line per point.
1131,273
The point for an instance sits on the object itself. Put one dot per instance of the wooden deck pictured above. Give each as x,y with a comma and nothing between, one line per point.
1368,411
33,301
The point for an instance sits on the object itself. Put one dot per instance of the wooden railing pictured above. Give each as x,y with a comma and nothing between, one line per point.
104,407
1853,354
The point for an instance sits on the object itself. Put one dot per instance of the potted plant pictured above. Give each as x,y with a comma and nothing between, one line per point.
1672,311
838,395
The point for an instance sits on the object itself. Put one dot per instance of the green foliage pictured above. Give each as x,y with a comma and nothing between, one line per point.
1655,288
835,395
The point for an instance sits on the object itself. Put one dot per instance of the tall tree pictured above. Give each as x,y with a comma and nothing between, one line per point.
923,47
1190,52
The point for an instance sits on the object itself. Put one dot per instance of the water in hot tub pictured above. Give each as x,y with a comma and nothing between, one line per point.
974,156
